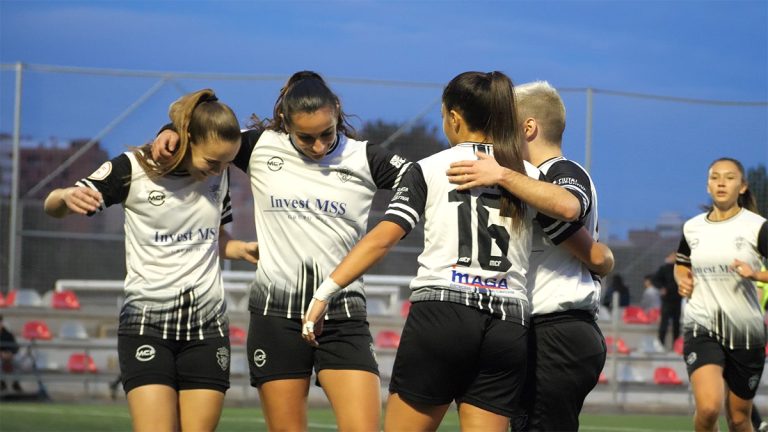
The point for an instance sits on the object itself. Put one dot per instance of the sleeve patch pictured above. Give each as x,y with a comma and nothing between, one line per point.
104,170
397,161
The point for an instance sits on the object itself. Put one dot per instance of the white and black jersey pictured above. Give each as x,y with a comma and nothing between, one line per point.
173,286
471,255
724,304
557,280
309,214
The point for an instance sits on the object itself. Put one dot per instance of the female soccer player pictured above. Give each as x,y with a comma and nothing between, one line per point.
465,336
173,336
564,293
313,185
724,332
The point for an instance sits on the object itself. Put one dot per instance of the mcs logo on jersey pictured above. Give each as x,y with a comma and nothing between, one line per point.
156,198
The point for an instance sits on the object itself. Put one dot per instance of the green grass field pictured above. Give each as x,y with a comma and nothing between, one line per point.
114,417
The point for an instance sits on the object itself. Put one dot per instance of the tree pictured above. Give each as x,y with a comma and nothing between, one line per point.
418,142
757,178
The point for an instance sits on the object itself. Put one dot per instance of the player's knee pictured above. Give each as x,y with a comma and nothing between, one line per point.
708,412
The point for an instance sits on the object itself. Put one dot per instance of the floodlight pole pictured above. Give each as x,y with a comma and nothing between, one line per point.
588,138
13,231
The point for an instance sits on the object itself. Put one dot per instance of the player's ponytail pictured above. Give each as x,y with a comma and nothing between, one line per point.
196,117
486,101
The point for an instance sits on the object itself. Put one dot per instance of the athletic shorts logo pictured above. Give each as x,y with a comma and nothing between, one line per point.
754,380
145,353
156,198
102,172
259,358
222,358
373,352
691,359
275,163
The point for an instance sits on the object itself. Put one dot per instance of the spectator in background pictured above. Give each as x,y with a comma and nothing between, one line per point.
8,349
651,295
670,299
617,285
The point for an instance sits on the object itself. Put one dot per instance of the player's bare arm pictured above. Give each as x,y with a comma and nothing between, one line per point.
76,199
746,271
684,279
547,198
370,250
233,249
164,144
595,255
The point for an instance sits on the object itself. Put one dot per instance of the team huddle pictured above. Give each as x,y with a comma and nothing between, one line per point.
504,303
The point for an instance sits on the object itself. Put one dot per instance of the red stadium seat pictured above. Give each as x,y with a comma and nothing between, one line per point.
36,330
2,301
603,378
10,298
666,376
81,363
65,300
388,339
635,315
405,308
237,335
678,345
619,344
653,315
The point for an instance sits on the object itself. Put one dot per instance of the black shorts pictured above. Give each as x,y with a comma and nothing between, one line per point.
183,365
742,368
566,354
277,351
449,352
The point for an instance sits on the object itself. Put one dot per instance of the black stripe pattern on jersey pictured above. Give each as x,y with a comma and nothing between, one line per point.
292,302
184,319
504,308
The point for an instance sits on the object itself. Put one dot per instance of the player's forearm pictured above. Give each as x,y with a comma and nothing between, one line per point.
552,200
370,250
601,259
54,204
596,256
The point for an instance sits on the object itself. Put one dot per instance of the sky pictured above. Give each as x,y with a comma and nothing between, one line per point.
648,156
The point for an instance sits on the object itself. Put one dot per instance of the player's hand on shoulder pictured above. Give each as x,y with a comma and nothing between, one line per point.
82,200
165,145
475,173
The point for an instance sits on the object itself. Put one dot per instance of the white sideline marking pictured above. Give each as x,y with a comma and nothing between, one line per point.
124,415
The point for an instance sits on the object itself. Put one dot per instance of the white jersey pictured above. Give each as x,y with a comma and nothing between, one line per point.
173,286
309,214
557,280
724,304
471,254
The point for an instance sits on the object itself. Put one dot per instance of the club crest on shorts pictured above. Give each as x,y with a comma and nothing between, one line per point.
222,358
145,353
754,380
691,359
259,358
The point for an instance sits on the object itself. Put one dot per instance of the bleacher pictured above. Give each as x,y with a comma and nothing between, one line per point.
68,340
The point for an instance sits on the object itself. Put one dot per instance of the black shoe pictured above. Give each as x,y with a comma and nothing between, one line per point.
16,387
